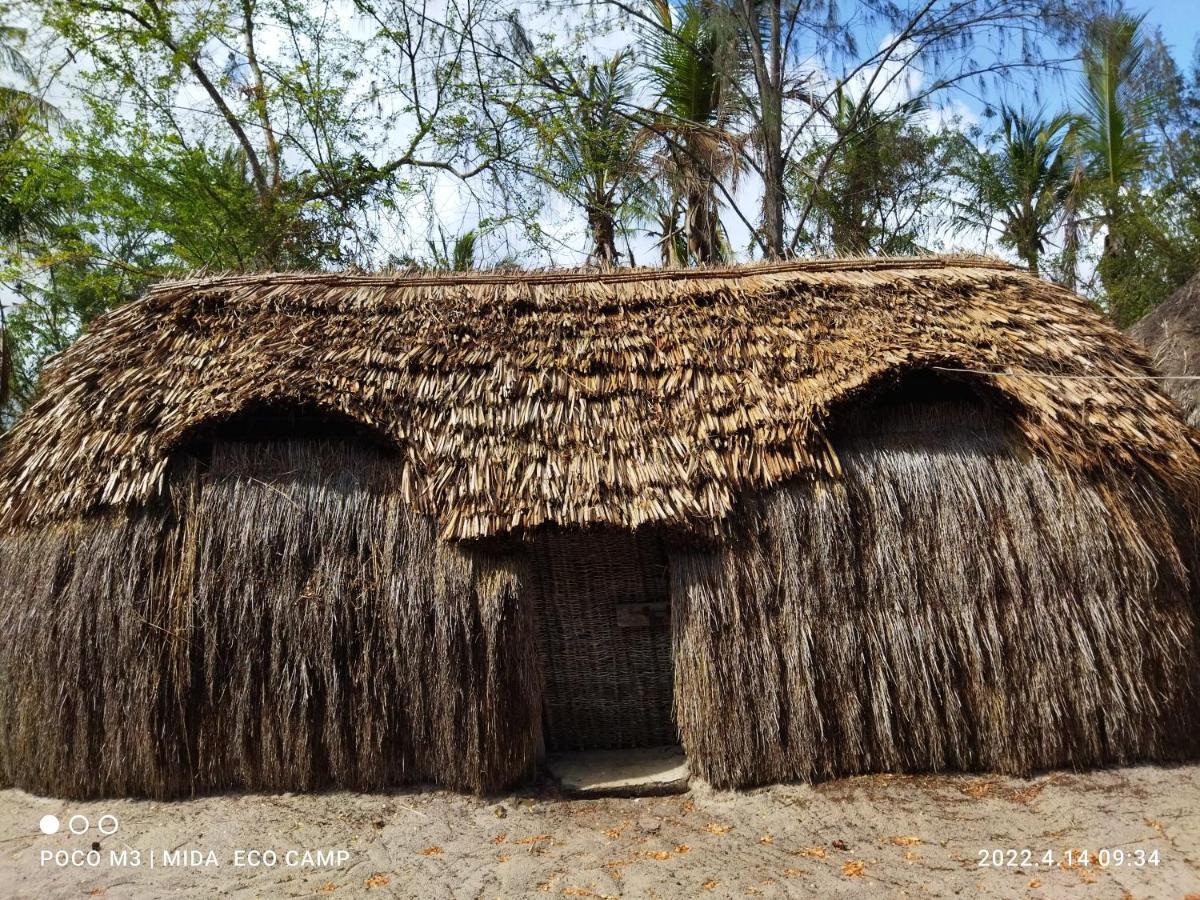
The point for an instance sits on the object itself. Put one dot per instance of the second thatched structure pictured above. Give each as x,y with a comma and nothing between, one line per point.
1171,332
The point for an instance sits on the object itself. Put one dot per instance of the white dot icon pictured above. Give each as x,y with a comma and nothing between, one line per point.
49,824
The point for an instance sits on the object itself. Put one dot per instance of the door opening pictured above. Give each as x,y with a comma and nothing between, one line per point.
604,635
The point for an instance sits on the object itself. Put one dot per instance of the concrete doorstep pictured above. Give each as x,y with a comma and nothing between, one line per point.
620,773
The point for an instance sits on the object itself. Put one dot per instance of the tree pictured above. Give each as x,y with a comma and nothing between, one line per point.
793,59
326,126
19,105
195,142
691,61
881,179
21,111
1024,184
1174,198
1114,119
591,147
455,254
1145,197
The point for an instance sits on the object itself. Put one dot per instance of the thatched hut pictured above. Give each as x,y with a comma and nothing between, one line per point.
808,519
1171,331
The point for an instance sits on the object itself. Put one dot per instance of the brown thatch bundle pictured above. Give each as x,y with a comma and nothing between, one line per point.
287,531
1171,331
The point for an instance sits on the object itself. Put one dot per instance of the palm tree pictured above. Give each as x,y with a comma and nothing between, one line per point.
592,147
20,112
15,102
456,254
1027,183
691,59
1113,127
1072,224
858,131
19,108
874,175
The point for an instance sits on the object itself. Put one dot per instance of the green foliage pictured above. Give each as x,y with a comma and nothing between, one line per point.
689,60
1113,140
198,207
1135,184
1024,183
692,60
591,145
30,202
1113,117
879,179
196,143
454,254
90,225
1158,232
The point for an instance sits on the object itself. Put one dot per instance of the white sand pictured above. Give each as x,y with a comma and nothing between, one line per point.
874,836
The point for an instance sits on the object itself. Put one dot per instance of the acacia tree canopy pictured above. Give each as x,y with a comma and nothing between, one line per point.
259,134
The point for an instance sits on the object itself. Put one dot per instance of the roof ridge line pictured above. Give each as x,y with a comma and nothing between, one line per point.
575,276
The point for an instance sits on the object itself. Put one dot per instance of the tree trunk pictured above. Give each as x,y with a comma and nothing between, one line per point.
604,237
774,194
767,54
1111,252
6,362
700,226
260,95
671,252
1072,227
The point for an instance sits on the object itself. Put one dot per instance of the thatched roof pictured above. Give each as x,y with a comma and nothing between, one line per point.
1172,333
632,397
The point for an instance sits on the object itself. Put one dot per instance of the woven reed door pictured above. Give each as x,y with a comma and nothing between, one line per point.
605,638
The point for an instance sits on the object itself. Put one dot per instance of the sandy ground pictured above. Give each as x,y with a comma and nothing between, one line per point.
876,836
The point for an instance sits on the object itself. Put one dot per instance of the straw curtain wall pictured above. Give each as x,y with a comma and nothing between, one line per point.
288,624
952,603
284,621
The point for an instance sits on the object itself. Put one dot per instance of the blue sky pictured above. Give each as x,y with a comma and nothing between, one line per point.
1180,23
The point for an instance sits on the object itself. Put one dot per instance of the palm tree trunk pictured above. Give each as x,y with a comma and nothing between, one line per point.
774,193
767,57
671,252
1071,228
1110,252
700,225
6,361
604,236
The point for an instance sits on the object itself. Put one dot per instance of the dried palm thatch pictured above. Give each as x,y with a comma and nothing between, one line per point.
291,614
575,398
870,625
1171,331
287,624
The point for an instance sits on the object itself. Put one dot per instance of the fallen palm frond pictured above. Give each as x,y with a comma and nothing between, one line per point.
952,603
289,625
